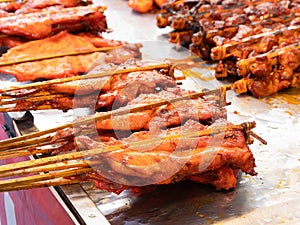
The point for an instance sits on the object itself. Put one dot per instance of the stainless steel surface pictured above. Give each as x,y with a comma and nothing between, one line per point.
272,197
84,206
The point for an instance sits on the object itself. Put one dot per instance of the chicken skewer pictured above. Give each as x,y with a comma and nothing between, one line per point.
228,49
55,51
81,52
199,25
269,73
115,70
102,88
245,64
40,164
37,25
46,135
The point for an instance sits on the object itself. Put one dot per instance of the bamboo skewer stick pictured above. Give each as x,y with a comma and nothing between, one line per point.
14,109
31,99
7,155
5,96
48,160
103,49
87,76
24,142
48,168
32,145
43,177
41,148
19,141
46,183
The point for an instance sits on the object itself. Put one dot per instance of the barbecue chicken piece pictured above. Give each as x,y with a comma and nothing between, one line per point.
268,75
58,67
35,5
163,116
41,24
222,178
38,4
201,159
143,6
233,51
154,117
96,93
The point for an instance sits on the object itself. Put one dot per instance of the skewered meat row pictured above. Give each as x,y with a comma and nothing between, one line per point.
236,36
234,51
157,117
17,62
207,154
41,24
268,74
255,44
94,93
201,25
181,158
187,135
267,63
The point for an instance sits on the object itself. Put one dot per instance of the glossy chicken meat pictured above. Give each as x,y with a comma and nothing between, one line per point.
43,23
35,5
163,116
238,36
202,159
66,66
96,93
265,79
144,6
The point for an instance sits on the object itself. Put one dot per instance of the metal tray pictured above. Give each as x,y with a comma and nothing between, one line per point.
271,197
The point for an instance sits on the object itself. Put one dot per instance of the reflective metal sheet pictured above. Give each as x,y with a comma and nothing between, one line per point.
272,197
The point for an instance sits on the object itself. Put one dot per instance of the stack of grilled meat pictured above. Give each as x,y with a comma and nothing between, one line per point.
146,130
30,20
56,39
256,42
155,133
